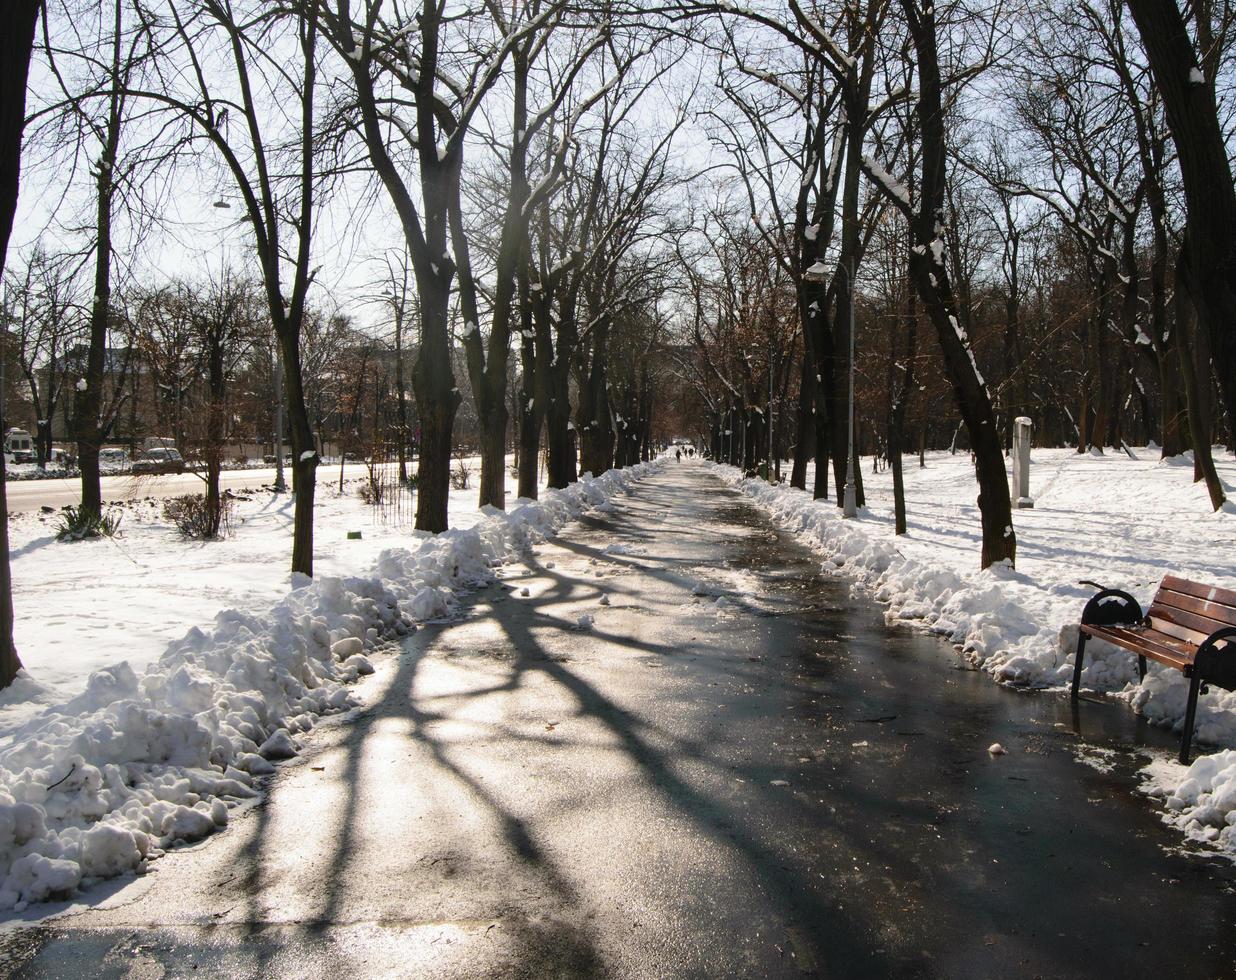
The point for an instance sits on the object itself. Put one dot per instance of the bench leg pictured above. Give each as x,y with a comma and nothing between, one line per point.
1077,662
1141,668
1186,736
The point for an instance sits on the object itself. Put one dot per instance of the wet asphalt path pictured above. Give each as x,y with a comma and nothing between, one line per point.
777,786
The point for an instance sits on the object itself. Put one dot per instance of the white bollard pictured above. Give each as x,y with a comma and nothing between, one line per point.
1022,427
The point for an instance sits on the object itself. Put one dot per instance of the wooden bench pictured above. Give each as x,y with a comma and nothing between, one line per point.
1190,627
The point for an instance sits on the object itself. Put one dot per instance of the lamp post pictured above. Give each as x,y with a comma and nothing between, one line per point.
849,507
280,483
771,429
818,273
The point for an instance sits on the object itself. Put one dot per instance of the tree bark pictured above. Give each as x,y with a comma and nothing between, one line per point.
533,394
437,400
593,418
805,431
897,416
1199,430
88,392
17,20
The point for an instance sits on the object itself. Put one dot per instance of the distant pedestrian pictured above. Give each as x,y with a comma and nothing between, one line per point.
678,455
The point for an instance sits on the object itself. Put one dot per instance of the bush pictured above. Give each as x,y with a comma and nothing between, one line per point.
76,524
193,519
370,491
461,475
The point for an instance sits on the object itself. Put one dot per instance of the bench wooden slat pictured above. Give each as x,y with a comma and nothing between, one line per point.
1222,600
1149,643
1215,611
1183,624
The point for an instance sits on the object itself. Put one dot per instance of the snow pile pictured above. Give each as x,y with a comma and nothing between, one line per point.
136,764
133,765
1200,800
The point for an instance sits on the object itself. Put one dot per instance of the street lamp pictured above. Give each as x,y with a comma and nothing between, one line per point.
818,273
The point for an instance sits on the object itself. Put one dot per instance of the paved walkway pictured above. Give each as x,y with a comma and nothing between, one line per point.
773,785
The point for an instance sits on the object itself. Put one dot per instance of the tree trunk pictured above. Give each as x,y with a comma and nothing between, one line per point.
897,417
217,383
935,291
531,417
437,399
1203,461
17,20
493,428
401,395
805,437
819,489
593,419
1192,115
304,451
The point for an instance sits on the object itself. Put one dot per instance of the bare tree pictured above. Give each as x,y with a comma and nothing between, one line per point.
930,274
224,321
441,67
259,116
45,311
94,77
1185,74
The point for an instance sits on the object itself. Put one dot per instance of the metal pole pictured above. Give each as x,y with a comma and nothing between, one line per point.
850,507
280,483
769,462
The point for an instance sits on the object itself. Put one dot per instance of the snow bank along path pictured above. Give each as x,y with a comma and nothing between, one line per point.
100,785
1021,627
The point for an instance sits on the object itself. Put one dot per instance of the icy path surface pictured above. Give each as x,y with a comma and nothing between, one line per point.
667,745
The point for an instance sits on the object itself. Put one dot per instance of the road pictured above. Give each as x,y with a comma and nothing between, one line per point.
27,495
779,785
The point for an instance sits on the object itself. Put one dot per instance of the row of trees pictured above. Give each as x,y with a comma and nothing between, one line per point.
1056,254
193,360
1024,210
290,108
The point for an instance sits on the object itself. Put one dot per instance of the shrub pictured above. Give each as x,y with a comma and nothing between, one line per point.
370,491
461,475
193,518
76,524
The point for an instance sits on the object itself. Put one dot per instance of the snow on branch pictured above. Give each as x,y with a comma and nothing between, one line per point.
894,189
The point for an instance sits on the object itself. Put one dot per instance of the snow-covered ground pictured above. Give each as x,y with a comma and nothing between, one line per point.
90,604
1121,522
145,710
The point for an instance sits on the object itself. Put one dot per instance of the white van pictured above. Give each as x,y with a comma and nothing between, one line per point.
18,446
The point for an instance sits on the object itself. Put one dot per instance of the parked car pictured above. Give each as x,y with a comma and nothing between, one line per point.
113,460
158,461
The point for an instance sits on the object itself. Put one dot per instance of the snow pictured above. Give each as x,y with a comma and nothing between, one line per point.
891,184
1111,519
307,454
1196,77
1199,800
81,384
113,751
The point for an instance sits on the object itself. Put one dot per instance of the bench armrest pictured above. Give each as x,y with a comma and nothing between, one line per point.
1112,607
1216,658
